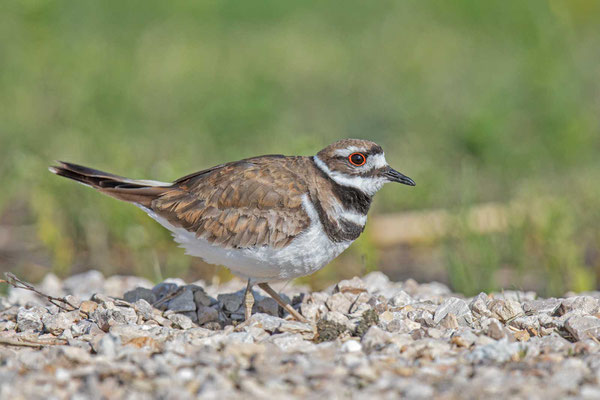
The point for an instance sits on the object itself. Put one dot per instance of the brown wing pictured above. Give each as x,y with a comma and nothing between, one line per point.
248,203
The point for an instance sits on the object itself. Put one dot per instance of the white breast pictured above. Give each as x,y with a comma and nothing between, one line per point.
307,253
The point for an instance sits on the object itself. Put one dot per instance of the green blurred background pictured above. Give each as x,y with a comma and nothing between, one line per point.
478,101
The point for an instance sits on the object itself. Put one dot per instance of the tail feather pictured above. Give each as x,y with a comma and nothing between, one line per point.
134,191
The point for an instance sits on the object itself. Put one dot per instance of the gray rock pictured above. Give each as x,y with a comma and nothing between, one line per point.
479,305
33,360
495,330
582,304
291,342
505,310
158,334
7,325
401,325
231,301
455,306
30,319
313,311
237,338
500,351
419,390
163,289
75,354
378,303
426,305
351,346
354,285
73,300
192,315
140,293
401,299
105,318
339,302
375,339
200,296
467,337
265,321
423,317
181,321
207,314
589,392
273,324
570,374
127,313
84,327
544,319
583,327
339,318
376,281
555,344
57,323
108,345
435,333
143,308
449,321
358,309
183,302
102,299
146,353
268,305
530,323
306,330
548,306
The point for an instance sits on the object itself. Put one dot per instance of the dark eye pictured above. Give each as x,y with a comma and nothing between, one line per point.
357,159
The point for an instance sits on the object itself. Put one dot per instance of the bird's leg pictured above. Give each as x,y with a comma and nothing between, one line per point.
248,301
265,286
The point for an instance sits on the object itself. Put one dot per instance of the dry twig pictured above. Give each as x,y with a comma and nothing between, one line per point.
168,297
31,343
15,282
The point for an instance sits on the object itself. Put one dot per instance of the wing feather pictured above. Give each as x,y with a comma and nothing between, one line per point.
250,203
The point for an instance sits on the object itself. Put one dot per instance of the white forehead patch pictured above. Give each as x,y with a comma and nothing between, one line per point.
349,150
375,161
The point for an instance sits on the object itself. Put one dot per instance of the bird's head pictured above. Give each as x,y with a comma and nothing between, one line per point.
359,164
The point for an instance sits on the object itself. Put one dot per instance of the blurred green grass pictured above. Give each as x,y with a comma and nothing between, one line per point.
477,101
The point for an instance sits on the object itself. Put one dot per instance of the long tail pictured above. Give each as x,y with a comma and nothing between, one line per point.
134,191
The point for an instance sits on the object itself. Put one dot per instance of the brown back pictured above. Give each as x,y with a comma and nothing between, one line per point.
248,203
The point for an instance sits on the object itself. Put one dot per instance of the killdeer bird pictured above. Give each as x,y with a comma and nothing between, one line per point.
266,218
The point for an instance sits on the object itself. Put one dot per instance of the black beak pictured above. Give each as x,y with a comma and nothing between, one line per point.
395,176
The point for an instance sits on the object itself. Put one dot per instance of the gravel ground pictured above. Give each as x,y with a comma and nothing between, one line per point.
126,338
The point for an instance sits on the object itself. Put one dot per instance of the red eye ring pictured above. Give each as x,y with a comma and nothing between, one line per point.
357,159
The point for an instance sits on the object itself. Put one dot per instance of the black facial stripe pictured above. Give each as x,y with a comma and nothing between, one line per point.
352,199
373,172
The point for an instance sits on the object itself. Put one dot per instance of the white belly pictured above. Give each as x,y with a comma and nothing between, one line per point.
307,253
